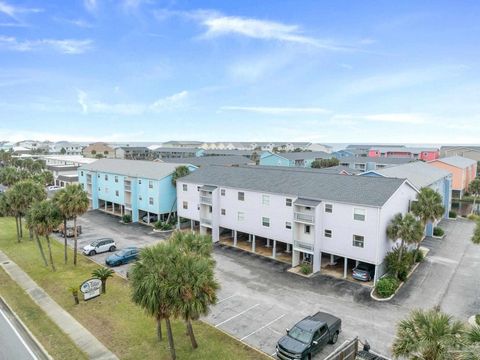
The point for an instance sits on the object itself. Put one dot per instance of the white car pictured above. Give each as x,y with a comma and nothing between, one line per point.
53,188
100,246
153,218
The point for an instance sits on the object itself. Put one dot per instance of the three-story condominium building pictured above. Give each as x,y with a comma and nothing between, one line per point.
142,189
304,212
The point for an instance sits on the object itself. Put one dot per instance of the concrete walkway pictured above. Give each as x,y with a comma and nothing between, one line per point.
80,336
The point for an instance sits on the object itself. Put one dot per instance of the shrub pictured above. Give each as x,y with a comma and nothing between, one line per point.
438,231
452,214
306,268
386,286
394,265
477,319
127,218
473,217
162,225
419,257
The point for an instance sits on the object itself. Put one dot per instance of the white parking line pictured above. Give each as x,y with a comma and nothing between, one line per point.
263,327
229,297
235,316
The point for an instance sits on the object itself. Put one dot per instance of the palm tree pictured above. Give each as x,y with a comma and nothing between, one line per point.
428,335
150,278
472,349
8,176
31,225
45,217
393,233
74,203
180,171
192,242
74,290
194,290
63,201
103,274
474,189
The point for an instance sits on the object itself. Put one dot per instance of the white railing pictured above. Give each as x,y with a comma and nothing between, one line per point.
206,200
128,205
128,187
205,221
303,245
302,217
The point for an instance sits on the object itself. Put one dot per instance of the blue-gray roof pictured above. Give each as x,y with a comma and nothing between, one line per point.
304,183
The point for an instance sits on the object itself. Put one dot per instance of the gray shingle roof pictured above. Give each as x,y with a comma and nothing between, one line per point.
305,155
228,152
420,174
457,161
212,160
309,184
175,149
134,168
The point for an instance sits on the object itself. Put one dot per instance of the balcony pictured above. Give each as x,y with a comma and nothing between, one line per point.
128,188
128,205
303,246
304,218
205,200
204,221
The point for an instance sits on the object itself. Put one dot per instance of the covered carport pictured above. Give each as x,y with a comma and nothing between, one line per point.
340,267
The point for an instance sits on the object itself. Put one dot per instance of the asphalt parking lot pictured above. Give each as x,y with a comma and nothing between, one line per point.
258,299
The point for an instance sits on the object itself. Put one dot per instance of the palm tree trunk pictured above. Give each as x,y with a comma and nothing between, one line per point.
21,229
104,286
191,334
30,233
18,229
40,247
170,339
75,241
171,210
159,328
50,253
400,253
65,256
473,206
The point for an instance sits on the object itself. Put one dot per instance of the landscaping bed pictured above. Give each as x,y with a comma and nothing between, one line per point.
113,318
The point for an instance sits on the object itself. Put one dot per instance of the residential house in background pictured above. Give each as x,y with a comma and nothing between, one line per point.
292,159
366,163
64,167
420,175
302,214
132,153
142,189
463,171
467,151
99,149
66,148
182,144
425,154
246,153
233,160
180,152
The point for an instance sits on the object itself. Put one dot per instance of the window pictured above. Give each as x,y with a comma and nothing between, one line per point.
98,176
240,216
116,192
150,184
210,209
358,241
223,211
116,179
359,214
288,202
185,187
288,225
328,208
307,229
140,197
81,173
185,205
241,196
328,233
139,181
150,200
222,192
308,208
99,189
198,188
266,221
265,200
106,177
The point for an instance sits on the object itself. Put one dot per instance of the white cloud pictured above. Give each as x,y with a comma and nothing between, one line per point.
65,46
277,110
90,5
15,12
168,103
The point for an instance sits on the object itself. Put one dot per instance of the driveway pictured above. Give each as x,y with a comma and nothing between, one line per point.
258,299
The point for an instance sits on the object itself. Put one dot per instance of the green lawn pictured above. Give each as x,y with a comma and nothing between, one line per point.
56,342
113,318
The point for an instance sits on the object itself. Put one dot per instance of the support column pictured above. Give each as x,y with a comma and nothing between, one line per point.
357,262
345,263
249,238
105,205
295,258
203,230
253,243
317,262
274,249
233,233
288,251
148,217
178,222
332,259
113,207
235,238
191,225
268,243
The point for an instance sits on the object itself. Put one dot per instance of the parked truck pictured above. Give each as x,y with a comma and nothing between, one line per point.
309,336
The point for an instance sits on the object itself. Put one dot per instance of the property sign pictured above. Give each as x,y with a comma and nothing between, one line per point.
91,288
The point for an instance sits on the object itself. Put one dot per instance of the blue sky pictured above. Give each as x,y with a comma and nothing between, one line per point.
322,71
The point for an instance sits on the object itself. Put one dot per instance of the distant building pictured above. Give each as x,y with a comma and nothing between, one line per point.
199,161
132,153
179,152
246,153
99,149
292,159
420,175
367,163
182,144
470,152
142,189
425,154
66,148
463,171
64,167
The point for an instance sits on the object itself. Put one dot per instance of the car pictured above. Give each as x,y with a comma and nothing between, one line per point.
53,187
100,246
122,257
363,272
309,336
153,218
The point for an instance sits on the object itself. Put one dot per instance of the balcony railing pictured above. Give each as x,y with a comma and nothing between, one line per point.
206,200
304,246
128,187
205,221
305,218
128,205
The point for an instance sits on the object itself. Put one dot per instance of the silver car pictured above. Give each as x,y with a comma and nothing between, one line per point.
100,246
